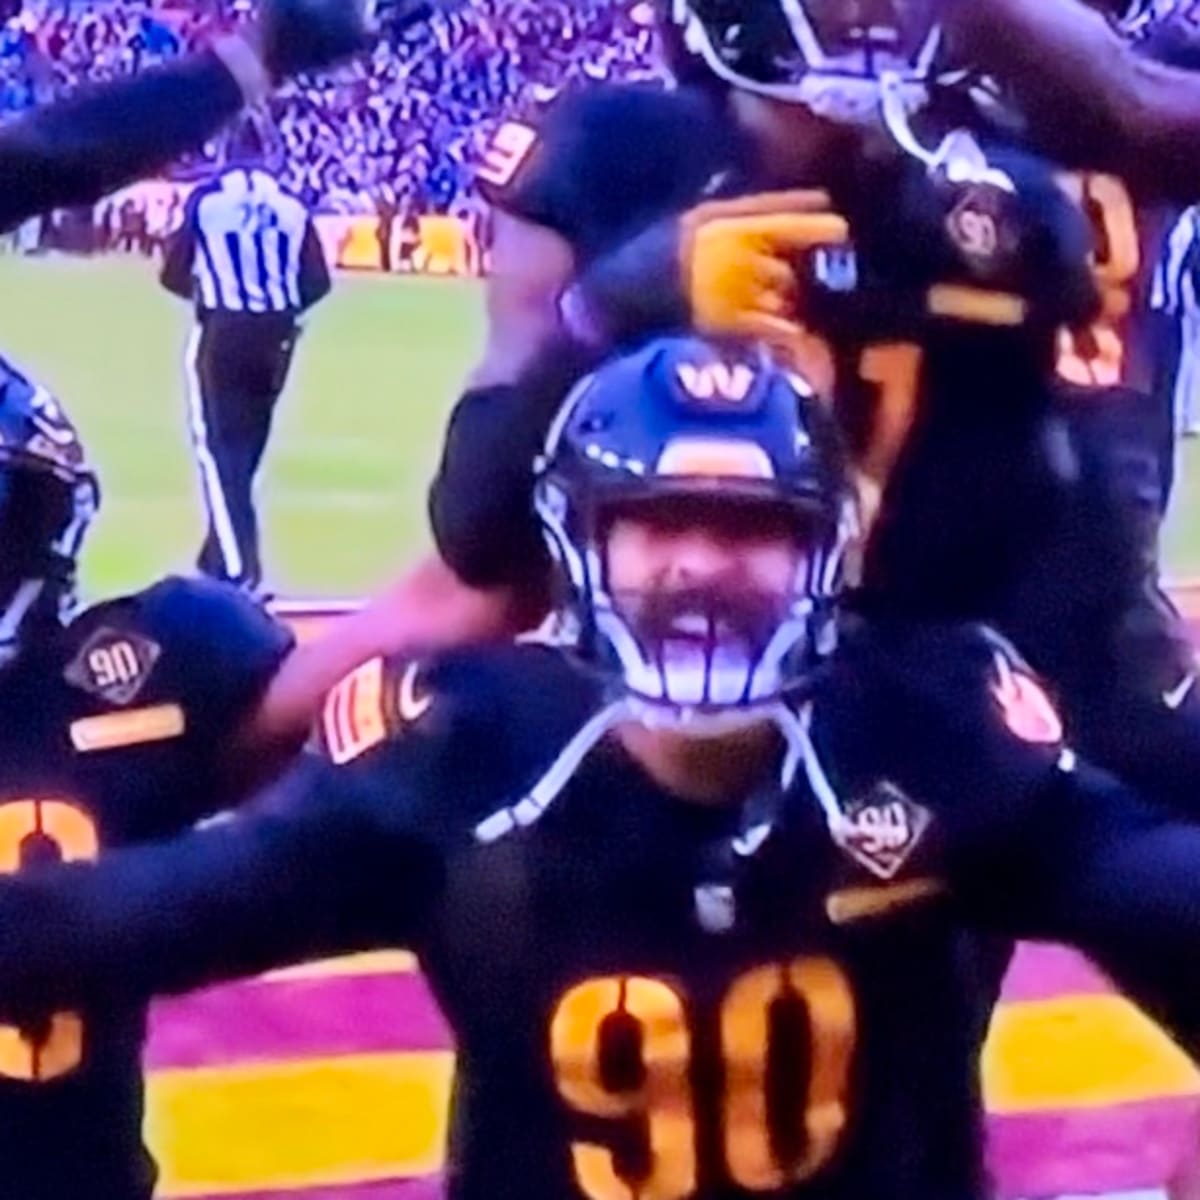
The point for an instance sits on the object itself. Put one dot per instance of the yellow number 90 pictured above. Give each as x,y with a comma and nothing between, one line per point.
57,1047
622,1050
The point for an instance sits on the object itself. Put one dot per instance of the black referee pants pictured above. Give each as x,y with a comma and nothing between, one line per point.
1165,334
237,365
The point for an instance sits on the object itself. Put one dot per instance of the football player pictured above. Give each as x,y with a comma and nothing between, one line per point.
126,722
691,892
997,502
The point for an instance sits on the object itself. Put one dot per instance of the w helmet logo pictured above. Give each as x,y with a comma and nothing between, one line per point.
716,381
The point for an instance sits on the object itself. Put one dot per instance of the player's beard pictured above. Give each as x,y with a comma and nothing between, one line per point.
702,647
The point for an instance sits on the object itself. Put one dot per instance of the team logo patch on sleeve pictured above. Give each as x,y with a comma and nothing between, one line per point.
114,664
371,704
1027,710
882,830
354,719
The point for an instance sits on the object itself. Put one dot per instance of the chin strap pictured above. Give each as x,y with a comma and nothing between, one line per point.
761,817
958,157
538,799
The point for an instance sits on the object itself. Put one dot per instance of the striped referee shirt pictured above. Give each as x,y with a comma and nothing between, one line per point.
246,246
1177,274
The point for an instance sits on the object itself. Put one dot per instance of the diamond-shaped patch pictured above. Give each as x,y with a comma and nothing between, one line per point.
882,829
114,664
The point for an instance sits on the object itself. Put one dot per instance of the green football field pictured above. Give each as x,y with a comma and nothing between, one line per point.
342,489
343,483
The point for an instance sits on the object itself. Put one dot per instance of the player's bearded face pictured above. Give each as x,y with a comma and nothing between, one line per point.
703,587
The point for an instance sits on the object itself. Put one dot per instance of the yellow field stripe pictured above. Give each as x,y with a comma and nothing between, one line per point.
321,1122
1080,1052
382,962
325,1122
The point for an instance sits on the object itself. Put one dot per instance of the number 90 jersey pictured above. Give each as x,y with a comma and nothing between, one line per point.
634,1014
112,732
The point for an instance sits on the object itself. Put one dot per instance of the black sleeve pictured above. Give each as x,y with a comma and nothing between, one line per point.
220,652
1032,842
605,161
1089,97
481,499
176,273
75,151
313,870
315,283
1108,873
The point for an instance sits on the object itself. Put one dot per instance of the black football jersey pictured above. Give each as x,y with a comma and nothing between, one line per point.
649,996
112,734
1000,485
604,162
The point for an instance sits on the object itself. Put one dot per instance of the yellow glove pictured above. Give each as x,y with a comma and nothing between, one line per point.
738,264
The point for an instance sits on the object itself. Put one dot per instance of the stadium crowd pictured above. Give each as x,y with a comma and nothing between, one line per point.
402,128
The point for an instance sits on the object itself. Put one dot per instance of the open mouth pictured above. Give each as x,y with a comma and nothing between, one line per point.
700,649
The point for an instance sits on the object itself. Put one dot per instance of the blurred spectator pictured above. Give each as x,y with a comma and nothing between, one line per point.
411,119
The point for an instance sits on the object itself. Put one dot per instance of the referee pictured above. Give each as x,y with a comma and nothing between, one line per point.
249,258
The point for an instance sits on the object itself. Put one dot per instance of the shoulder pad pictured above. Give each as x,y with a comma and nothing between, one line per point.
968,669
191,641
505,698
603,162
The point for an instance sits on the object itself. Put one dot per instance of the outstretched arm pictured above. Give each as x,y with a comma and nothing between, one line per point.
306,873
1091,99
75,151
1119,880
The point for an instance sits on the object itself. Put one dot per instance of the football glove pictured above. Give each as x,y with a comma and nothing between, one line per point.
723,268
293,36
737,260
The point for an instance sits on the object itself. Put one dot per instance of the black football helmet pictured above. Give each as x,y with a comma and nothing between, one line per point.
48,497
1167,31
1137,16
688,420
829,55
695,429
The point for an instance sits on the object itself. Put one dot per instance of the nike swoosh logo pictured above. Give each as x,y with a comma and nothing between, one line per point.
412,707
749,843
1179,693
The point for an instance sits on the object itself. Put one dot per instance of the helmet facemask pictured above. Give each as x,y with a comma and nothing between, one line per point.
829,55
48,498
709,651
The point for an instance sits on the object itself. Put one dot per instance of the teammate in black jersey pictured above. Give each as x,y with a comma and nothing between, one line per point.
1008,504
123,723
691,894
